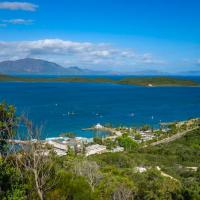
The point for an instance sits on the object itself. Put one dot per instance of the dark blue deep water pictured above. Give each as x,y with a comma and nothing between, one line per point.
48,104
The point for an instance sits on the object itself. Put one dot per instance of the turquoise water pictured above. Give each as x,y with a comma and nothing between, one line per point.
70,107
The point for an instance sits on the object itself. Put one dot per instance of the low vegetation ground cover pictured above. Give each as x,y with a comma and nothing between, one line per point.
165,171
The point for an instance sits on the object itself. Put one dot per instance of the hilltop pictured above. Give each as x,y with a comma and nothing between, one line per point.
31,66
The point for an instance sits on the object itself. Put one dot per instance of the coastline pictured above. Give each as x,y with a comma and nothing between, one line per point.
142,137
158,81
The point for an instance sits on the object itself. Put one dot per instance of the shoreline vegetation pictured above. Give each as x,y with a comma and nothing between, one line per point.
137,81
127,166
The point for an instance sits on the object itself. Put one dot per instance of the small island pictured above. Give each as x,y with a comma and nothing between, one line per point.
138,81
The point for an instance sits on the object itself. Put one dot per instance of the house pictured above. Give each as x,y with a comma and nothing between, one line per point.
58,145
95,149
84,140
59,148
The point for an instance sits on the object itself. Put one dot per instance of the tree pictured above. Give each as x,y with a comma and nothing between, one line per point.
89,170
98,140
191,189
173,128
70,187
110,144
36,162
11,183
8,125
126,142
145,127
152,185
115,188
138,136
122,192
119,160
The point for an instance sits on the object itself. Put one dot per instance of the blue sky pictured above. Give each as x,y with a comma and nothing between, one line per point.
120,35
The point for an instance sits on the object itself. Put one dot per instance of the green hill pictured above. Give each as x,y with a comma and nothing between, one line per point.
170,171
140,81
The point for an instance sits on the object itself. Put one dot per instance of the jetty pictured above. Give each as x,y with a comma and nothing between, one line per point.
114,132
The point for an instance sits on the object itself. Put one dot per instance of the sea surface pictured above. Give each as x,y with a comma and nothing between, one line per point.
71,107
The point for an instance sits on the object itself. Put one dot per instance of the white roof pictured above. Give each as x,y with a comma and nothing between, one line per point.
53,138
98,126
58,145
94,149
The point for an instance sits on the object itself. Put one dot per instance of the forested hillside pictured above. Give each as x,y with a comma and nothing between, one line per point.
167,171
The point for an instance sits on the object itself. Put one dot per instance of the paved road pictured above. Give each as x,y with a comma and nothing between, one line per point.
172,138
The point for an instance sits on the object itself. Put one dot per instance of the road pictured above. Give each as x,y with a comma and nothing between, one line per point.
171,138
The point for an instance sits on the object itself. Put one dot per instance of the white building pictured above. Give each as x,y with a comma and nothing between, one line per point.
59,148
95,149
98,126
84,140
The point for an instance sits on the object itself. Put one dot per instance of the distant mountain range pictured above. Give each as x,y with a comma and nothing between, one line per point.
30,66
41,67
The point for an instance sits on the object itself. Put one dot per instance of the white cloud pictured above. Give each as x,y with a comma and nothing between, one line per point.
148,59
198,61
75,53
18,6
18,21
